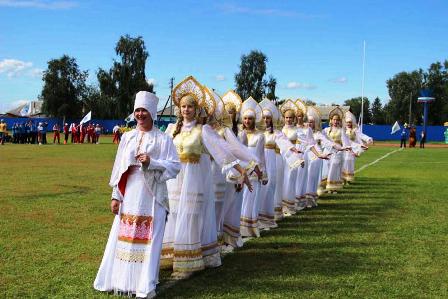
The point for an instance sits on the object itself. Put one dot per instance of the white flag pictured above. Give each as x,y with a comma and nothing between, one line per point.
87,118
395,128
129,118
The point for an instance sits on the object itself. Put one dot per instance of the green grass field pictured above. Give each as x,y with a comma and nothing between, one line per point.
385,236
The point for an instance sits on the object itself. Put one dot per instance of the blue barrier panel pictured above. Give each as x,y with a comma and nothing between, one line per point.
382,132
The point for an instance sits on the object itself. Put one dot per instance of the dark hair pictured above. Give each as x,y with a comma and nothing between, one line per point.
271,126
179,124
234,125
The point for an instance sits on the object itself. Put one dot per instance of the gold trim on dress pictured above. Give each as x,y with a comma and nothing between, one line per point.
189,158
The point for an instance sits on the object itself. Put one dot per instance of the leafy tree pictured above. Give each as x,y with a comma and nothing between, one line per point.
436,79
64,88
377,112
355,108
310,103
270,86
249,80
127,76
403,88
102,106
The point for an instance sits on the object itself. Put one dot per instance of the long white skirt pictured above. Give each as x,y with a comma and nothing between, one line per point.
131,260
278,193
232,216
348,168
266,213
302,177
189,196
289,189
219,187
334,180
249,211
314,174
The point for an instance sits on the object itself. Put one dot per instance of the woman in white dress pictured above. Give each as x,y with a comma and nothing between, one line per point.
145,160
357,145
276,143
289,111
251,114
323,147
190,194
336,133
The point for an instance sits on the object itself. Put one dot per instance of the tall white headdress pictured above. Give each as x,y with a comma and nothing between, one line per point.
313,114
288,105
251,108
232,100
210,101
148,101
269,108
189,86
350,117
301,105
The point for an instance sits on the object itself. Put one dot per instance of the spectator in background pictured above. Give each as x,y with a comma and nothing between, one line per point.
412,137
44,132
422,139
3,130
72,131
404,134
66,132
40,129
33,132
116,132
28,132
56,134
97,133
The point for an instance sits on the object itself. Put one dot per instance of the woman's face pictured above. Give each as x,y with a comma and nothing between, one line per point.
249,122
143,117
300,118
349,124
335,121
267,120
187,110
289,118
311,123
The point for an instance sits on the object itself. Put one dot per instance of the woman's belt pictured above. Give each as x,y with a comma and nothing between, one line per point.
269,146
189,158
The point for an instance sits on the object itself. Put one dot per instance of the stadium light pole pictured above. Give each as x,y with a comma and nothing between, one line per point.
362,86
425,98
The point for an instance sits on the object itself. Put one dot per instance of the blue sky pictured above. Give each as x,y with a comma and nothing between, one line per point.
314,47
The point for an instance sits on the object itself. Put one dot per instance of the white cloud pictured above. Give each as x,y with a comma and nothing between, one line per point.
41,4
14,68
152,81
220,78
339,80
237,9
297,85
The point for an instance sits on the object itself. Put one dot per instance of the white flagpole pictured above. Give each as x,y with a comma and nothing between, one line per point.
362,85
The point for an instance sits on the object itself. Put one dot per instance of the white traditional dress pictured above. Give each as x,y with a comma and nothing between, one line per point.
131,260
334,178
290,175
304,143
190,241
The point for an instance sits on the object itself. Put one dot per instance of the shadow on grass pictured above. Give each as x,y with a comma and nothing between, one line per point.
308,251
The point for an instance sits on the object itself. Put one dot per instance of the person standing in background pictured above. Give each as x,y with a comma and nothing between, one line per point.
3,129
97,133
56,134
422,139
412,137
66,132
404,135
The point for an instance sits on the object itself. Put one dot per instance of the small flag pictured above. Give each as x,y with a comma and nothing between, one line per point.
26,110
129,118
395,128
87,118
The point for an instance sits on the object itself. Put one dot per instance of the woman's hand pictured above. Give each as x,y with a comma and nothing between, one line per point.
264,182
114,206
324,156
295,150
238,187
247,182
144,159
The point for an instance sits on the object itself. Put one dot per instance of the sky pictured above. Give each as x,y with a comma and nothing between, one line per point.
314,48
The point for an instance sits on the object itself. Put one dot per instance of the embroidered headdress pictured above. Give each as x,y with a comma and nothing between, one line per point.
232,101
288,105
189,87
268,108
313,114
251,108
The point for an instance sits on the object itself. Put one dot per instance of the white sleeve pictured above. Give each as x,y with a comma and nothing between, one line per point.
259,149
167,162
238,149
282,142
218,148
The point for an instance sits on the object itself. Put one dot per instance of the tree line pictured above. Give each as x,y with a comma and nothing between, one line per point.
65,92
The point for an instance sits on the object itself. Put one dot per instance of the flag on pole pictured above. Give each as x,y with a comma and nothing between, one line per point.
395,128
87,118
129,118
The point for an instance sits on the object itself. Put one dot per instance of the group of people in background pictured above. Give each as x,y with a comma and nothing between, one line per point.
33,132
412,136
225,171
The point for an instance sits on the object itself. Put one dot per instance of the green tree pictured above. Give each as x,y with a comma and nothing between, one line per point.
436,79
403,88
102,106
249,80
127,76
310,103
377,112
355,108
270,86
64,88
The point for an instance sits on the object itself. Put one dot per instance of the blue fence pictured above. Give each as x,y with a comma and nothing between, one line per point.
377,132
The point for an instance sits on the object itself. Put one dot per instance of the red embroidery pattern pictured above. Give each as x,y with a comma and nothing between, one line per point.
135,229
